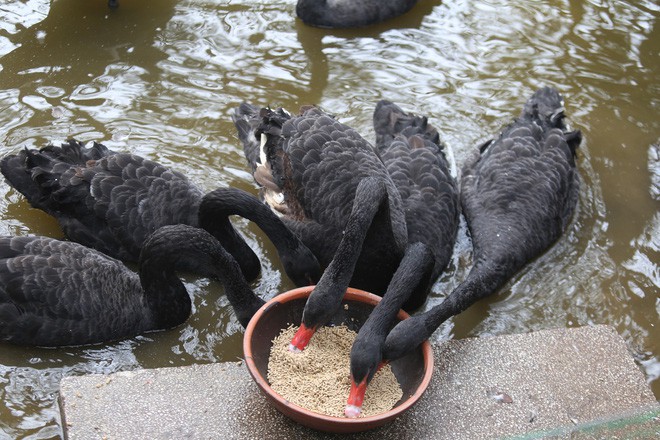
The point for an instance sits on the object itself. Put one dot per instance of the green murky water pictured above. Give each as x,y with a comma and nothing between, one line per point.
161,78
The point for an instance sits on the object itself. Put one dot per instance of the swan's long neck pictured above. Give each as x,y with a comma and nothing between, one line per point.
181,247
366,353
213,216
480,282
370,195
239,293
299,262
413,271
483,280
164,294
223,202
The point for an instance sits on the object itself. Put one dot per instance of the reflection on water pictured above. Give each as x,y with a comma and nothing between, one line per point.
161,79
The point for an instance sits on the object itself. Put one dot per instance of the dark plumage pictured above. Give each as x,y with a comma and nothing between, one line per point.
57,293
337,195
415,159
366,353
350,13
112,201
518,196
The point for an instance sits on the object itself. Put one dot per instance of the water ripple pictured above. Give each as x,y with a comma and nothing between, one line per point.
161,80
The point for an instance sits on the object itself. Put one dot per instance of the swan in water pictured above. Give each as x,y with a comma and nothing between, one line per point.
518,194
350,13
343,197
60,293
112,201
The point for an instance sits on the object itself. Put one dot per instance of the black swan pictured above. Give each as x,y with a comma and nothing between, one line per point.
334,191
112,201
415,159
366,353
518,196
350,13
59,293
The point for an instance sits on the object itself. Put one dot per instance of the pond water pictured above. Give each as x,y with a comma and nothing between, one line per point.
161,79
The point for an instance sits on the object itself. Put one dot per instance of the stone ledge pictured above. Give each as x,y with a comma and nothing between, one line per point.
563,383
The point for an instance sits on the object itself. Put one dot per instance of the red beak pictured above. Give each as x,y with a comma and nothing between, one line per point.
301,338
356,395
355,398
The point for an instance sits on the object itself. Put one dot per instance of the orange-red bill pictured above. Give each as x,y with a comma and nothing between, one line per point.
355,398
301,338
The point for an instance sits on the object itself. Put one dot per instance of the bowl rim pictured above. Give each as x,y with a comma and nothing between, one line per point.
351,294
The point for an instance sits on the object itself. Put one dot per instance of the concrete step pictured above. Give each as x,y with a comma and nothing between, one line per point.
579,383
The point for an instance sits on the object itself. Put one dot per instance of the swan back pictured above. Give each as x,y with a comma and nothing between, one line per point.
105,200
315,163
415,158
60,293
520,191
350,13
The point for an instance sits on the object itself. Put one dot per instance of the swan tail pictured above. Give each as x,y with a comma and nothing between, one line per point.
273,158
14,169
31,173
42,175
246,120
251,123
391,122
259,130
75,153
546,108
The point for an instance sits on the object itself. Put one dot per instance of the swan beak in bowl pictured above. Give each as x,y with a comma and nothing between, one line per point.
356,395
355,398
301,338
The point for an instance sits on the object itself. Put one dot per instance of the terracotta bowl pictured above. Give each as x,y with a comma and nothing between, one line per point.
412,371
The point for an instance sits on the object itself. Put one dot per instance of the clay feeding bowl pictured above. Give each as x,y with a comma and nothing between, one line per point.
412,371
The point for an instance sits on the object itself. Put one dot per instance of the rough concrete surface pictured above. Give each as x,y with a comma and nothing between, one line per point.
577,383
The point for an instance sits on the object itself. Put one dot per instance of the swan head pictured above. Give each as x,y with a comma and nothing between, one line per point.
301,266
366,360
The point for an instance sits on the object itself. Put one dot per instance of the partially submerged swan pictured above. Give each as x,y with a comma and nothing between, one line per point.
60,293
112,201
350,13
518,195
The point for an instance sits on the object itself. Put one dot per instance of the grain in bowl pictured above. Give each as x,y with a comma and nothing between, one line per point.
318,379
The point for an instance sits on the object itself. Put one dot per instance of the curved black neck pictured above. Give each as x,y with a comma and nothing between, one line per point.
414,270
239,293
181,247
164,293
214,211
370,195
299,262
483,280
219,204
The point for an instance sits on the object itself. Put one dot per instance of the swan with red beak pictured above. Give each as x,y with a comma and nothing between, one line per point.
366,353
518,195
